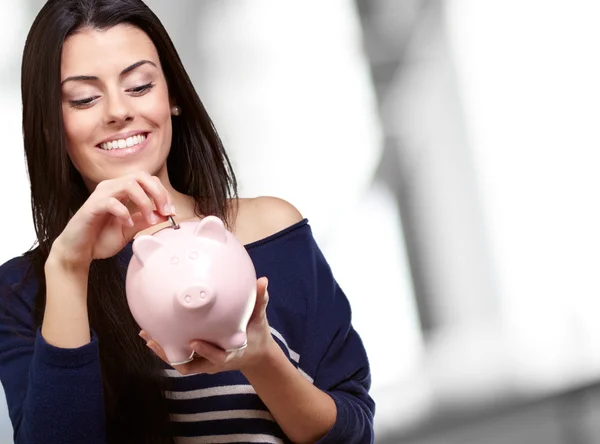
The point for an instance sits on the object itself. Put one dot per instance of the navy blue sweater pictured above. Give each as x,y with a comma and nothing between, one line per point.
55,395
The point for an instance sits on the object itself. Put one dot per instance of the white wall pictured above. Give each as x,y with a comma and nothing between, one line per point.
529,75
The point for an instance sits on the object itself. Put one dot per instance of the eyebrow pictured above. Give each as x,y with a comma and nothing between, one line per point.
125,71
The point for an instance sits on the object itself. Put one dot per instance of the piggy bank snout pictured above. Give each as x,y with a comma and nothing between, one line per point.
195,296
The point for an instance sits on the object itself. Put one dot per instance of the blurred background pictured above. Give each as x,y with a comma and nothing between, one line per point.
446,155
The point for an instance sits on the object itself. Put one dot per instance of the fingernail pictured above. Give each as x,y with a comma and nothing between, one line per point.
130,222
173,212
168,209
153,219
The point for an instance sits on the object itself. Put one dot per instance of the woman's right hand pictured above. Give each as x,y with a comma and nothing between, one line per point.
103,225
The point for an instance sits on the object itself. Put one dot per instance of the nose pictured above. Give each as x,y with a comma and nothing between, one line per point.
118,110
195,296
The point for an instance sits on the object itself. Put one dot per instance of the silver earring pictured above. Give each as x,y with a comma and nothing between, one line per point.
176,110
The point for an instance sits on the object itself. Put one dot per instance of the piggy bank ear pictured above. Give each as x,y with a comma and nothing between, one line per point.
211,227
145,246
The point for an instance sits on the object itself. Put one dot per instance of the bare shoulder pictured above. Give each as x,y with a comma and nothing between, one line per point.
273,212
260,217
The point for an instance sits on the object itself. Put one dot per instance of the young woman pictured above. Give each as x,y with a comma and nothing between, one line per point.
117,140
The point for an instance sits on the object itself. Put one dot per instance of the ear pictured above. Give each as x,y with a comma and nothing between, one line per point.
144,246
211,227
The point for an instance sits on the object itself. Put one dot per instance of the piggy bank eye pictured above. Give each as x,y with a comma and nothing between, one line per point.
174,260
194,255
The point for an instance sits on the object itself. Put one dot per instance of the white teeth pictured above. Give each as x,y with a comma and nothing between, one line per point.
123,143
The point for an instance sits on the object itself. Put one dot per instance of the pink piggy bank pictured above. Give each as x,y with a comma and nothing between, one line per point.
192,282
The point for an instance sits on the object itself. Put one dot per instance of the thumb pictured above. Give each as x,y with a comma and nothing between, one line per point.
262,297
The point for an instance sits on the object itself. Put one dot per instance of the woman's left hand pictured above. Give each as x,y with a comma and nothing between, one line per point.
211,359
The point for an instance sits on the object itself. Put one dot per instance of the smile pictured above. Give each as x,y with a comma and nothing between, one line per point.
123,143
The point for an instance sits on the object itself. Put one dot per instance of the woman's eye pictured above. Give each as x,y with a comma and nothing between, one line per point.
138,90
83,102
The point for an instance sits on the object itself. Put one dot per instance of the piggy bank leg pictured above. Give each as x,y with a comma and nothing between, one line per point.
236,342
178,356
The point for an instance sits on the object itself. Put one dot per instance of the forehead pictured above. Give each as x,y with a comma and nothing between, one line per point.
93,52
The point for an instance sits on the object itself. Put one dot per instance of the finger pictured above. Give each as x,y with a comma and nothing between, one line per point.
215,355
144,190
262,298
154,188
116,208
141,199
157,349
198,365
165,201
140,223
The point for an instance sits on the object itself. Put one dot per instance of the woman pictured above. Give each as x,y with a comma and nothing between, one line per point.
116,141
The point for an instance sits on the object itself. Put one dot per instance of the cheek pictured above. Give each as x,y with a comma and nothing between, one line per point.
79,127
157,109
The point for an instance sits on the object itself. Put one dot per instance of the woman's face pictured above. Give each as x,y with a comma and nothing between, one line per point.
115,104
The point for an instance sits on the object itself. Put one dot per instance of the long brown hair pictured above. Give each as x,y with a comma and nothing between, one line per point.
198,166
